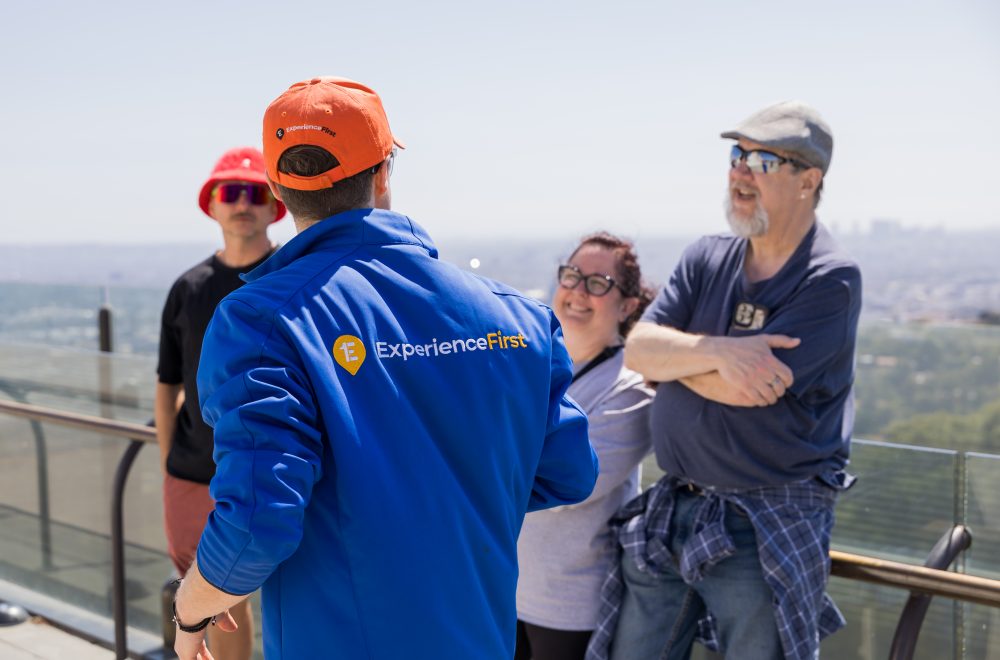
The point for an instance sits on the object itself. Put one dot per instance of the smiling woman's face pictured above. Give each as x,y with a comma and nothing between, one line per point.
586,318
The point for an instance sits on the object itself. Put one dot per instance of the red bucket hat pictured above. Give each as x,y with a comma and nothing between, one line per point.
239,164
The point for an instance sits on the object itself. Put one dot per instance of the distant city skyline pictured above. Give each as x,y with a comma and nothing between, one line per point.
521,119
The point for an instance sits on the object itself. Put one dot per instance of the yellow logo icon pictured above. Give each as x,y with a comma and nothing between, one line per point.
349,353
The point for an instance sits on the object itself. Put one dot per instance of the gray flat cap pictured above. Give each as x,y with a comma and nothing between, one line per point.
791,126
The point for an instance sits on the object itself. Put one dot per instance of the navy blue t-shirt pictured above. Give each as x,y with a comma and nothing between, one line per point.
816,296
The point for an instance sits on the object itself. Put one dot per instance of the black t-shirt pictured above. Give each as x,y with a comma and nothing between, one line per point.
186,314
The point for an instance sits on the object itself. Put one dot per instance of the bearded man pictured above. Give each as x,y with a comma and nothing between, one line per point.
752,344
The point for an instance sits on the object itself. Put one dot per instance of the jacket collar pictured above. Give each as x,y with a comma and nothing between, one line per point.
350,228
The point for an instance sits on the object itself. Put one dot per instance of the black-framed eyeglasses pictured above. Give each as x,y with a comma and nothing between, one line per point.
760,161
596,284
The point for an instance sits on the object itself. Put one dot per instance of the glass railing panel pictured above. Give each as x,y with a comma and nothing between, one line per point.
66,315
904,500
69,473
67,554
888,512
982,478
51,314
89,382
57,481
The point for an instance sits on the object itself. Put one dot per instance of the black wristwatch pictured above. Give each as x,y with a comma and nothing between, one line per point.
198,627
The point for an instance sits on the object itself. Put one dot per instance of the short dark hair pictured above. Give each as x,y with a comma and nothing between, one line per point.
628,275
354,192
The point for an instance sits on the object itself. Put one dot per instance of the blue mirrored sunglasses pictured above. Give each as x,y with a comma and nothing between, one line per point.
760,161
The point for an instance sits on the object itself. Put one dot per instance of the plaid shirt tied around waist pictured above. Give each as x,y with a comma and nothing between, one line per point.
792,524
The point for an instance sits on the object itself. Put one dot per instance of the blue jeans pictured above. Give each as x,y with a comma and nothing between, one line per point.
660,612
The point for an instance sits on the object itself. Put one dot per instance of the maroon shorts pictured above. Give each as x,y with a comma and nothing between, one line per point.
186,505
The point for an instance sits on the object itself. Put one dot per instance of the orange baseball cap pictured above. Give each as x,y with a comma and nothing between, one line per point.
239,164
342,116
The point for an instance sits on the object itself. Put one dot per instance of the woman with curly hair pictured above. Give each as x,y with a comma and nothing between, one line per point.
565,553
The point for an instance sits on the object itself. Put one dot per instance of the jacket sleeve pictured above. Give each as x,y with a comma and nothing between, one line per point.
255,395
567,470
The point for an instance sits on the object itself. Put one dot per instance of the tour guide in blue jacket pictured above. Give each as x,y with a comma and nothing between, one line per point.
383,420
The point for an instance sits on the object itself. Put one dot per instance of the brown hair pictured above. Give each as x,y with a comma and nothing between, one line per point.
628,275
354,192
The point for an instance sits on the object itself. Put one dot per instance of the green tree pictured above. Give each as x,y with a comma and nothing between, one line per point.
978,431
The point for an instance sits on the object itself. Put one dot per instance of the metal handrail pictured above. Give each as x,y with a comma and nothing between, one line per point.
139,435
952,543
127,430
959,586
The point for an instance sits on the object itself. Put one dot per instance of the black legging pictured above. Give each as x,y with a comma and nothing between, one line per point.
538,643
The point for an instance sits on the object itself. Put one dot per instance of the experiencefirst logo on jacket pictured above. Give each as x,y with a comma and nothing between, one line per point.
350,353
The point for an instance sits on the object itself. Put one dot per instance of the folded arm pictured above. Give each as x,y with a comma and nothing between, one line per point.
739,371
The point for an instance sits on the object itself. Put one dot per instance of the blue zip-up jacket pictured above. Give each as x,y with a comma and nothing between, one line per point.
383,420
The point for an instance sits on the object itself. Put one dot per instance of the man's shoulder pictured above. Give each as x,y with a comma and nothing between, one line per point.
711,248
721,240
513,300
827,260
196,274
500,289
267,295
193,278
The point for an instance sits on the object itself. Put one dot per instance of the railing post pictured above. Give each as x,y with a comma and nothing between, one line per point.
961,518
118,548
104,324
44,519
948,548
42,468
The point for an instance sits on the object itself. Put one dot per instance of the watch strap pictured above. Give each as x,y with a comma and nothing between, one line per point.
198,627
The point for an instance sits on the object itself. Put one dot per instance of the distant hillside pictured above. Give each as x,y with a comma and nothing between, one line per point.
147,265
909,275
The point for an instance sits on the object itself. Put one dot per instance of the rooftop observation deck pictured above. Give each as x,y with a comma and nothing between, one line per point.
55,516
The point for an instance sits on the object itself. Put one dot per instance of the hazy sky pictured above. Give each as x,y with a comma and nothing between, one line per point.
520,118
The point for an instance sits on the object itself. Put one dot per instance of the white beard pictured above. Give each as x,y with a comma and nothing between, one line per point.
746,227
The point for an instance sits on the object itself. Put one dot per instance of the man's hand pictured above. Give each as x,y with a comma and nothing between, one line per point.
738,371
748,367
195,600
191,646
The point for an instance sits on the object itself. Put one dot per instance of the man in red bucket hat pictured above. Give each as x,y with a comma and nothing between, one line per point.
237,197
